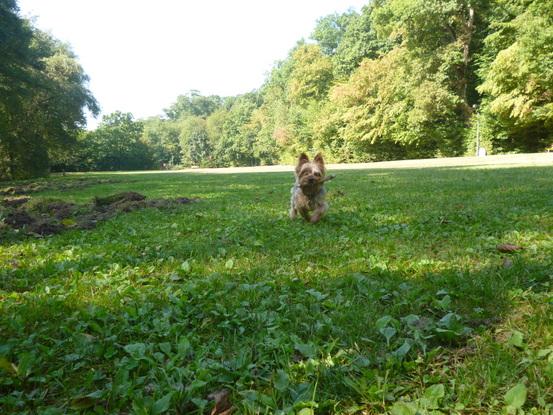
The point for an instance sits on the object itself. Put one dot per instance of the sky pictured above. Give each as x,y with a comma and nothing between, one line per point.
140,55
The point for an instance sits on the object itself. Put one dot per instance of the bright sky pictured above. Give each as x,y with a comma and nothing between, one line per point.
140,55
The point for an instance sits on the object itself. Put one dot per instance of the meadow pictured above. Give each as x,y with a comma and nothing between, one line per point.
399,301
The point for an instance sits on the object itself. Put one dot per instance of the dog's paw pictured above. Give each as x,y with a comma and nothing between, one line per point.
293,214
315,218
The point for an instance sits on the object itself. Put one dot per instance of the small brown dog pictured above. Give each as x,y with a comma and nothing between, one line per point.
308,193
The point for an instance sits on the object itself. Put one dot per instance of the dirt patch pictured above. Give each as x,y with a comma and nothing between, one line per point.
118,198
15,202
45,227
53,207
27,188
18,219
51,216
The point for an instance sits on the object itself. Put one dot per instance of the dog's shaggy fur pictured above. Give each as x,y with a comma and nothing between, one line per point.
308,193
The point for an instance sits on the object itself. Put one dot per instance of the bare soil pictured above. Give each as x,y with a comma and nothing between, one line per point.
52,216
33,187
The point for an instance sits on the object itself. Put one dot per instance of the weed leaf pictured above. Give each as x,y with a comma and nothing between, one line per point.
281,380
516,339
404,408
516,396
8,366
82,402
162,405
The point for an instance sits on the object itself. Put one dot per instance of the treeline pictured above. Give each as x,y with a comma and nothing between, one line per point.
400,79
195,131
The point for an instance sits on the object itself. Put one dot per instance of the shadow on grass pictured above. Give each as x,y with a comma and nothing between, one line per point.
237,331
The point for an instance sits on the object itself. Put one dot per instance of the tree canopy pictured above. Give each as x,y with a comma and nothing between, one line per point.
43,100
399,79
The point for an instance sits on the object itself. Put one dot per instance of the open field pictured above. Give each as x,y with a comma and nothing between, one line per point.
506,160
398,301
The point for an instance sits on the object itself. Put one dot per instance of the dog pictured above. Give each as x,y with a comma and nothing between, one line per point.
308,193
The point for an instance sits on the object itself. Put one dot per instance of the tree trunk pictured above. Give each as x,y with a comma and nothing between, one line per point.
466,38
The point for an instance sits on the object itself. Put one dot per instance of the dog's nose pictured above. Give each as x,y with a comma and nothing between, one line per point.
311,180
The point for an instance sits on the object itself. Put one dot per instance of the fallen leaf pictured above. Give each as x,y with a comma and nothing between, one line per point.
222,403
507,248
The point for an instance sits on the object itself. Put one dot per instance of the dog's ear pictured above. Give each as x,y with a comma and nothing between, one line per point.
301,161
320,161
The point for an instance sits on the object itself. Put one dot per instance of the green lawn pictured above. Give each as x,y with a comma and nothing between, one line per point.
397,301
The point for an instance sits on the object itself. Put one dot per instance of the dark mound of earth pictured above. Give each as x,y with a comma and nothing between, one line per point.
23,189
51,216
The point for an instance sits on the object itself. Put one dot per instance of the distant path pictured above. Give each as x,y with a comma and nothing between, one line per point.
537,159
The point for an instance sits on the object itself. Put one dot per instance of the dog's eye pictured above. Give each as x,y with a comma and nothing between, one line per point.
317,174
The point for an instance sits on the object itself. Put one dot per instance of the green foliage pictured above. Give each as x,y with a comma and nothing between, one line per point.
517,75
331,29
116,145
195,105
359,41
44,94
235,145
195,144
391,106
310,75
163,139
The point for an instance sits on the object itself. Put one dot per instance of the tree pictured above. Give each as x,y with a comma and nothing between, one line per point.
44,95
236,145
163,139
331,29
116,145
357,42
194,104
390,108
195,145
440,32
311,74
517,74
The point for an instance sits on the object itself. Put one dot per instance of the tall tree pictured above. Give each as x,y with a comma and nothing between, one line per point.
44,95
195,144
440,32
331,29
358,41
194,104
117,145
163,139
517,74
236,145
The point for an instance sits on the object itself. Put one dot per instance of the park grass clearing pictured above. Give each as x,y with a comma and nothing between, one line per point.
397,302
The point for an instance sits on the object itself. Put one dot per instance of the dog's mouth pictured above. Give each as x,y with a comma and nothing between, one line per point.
310,185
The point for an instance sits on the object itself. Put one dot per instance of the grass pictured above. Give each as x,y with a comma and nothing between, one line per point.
397,302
